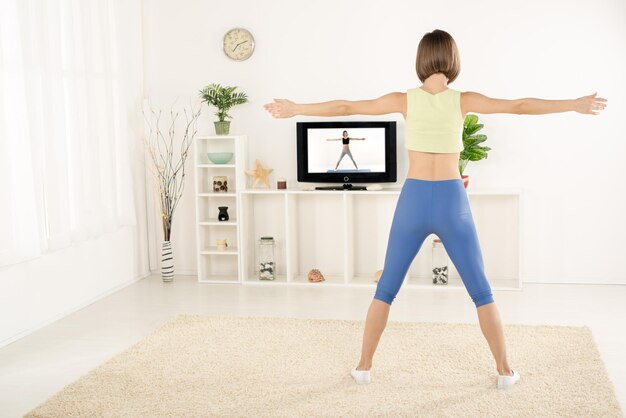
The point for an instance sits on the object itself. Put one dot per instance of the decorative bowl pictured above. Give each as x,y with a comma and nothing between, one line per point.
220,157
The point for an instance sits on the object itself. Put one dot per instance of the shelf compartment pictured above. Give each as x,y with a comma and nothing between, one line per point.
263,215
218,268
317,236
204,178
208,210
210,234
216,143
205,183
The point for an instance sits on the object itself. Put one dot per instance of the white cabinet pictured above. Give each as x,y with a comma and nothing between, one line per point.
344,234
217,265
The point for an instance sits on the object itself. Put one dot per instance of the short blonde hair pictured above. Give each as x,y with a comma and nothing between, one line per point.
437,53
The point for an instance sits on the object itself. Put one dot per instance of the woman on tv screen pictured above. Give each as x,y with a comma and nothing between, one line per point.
345,141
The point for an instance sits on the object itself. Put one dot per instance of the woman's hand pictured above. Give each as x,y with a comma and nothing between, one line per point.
590,105
281,108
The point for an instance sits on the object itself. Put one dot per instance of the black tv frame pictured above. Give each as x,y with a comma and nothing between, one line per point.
389,176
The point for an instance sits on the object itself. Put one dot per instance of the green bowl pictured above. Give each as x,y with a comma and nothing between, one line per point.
220,157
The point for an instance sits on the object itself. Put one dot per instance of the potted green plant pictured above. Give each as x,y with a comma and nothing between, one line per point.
223,98
472,151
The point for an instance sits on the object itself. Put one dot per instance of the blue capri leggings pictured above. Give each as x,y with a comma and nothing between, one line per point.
438,207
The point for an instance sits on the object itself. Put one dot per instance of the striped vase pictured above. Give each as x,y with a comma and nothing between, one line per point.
167,262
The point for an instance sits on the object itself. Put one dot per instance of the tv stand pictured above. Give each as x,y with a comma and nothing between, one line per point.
344,234
346,186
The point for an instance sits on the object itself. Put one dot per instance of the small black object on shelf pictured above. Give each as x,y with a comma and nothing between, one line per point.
223,214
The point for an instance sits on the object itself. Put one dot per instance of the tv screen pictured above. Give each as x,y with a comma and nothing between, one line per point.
346,152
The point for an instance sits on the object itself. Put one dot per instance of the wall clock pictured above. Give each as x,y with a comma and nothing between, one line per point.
238,44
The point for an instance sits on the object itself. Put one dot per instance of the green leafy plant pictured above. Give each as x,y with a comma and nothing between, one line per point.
223,98
472,150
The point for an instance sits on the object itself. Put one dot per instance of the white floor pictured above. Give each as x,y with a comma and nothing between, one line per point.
35,367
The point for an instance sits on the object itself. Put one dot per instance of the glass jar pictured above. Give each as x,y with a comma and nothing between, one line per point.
267,266
440,263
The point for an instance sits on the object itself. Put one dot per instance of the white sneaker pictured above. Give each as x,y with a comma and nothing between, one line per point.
362,377
505,382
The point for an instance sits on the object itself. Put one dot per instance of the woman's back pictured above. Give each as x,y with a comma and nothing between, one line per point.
433,132
433,121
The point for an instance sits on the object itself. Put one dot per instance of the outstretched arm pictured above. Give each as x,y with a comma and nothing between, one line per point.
389,103
334,139
478,103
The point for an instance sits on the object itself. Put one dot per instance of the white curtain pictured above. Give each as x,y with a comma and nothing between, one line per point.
70,83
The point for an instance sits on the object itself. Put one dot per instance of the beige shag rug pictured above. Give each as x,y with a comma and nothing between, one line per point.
199,366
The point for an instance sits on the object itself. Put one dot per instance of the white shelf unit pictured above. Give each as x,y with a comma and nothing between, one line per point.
218,266
344,234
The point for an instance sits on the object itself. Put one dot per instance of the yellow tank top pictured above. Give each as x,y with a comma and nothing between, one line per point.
434,122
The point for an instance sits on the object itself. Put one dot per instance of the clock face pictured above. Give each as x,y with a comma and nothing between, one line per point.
238,44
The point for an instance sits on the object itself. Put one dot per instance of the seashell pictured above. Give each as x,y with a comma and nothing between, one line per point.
315,276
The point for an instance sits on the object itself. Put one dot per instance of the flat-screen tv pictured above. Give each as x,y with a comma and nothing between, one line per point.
346,153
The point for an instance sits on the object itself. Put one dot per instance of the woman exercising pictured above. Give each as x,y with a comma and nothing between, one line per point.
345,140
433,199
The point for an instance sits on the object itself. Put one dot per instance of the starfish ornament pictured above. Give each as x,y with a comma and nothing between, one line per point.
260,173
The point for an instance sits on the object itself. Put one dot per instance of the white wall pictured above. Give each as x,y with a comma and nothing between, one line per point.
568,164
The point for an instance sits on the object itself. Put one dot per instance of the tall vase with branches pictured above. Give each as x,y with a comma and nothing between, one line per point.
168,169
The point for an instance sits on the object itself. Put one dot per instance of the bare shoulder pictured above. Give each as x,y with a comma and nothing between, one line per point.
395,100
472,101
472,96
397,96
